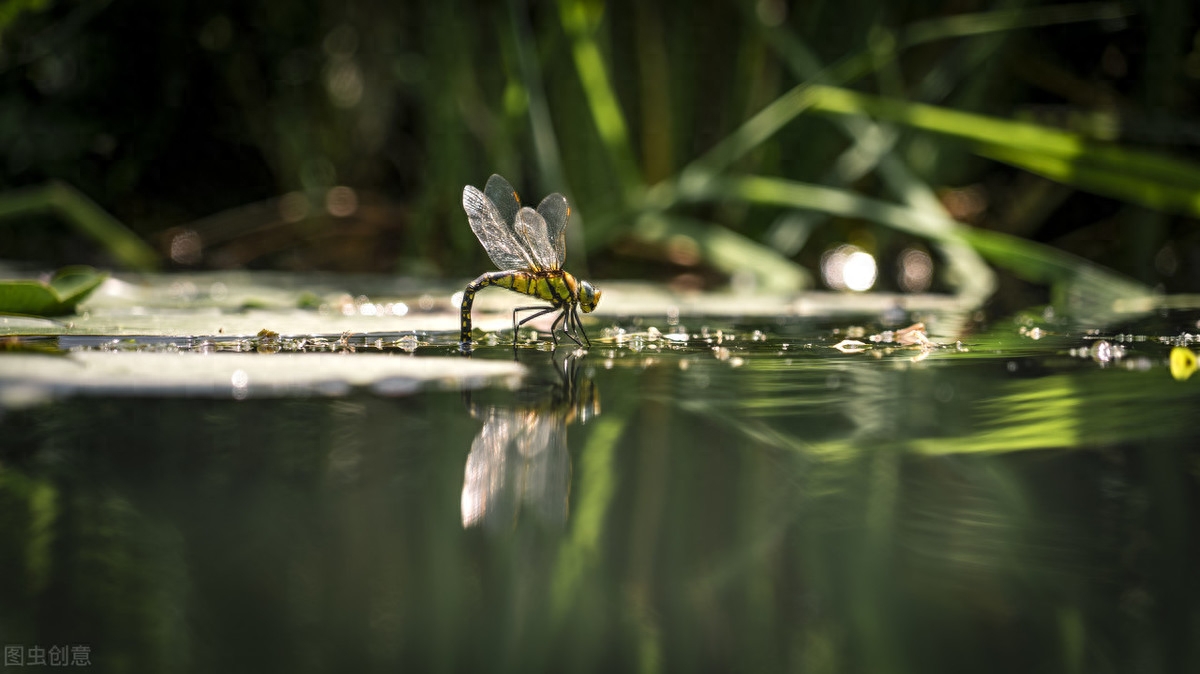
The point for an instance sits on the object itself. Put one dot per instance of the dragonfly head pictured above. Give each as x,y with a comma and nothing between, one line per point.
589,295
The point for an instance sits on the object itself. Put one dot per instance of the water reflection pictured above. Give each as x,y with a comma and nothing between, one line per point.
519,460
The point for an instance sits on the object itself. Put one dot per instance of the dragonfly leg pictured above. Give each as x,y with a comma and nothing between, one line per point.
559,321
569,326
542,310
579,324
575,328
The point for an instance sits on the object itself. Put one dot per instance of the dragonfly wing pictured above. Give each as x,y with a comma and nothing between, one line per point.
531,230
556,212
498,238
505,197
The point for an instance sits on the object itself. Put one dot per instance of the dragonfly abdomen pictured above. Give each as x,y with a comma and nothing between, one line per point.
554,286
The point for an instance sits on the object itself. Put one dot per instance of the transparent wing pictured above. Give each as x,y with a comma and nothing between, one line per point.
505,197
498,238
556,212
531,230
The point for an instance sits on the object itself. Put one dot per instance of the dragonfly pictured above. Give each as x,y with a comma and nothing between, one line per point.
529,246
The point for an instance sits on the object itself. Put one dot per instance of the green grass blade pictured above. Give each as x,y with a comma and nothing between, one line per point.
545,141
602,99
1109,181
871,148
748,136
799,99
1080,286
983,23
84,215
546,146
1141,177
726,250
834,201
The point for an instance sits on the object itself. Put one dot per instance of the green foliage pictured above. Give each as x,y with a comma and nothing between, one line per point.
1148,179
10,10
84,215
639,113
58,297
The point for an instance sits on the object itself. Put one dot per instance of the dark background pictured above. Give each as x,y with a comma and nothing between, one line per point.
229,123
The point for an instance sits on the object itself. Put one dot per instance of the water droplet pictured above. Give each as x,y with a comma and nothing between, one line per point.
408,343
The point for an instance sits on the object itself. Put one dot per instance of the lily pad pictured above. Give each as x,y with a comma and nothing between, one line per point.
58,297
28,379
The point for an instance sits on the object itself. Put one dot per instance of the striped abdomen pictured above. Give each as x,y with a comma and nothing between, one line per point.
555,286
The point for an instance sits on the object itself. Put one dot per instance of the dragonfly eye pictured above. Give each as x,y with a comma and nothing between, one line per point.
589,295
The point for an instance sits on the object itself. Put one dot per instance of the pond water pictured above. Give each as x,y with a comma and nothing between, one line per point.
695,494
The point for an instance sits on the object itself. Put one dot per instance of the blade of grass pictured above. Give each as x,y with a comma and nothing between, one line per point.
1178,180
545,141
654,90
748,136
1006,133
982,23
778,192
1114,183
726,250
776,115
872,145
1082,285
84,215
602,99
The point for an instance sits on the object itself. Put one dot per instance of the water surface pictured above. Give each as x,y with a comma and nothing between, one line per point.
706,495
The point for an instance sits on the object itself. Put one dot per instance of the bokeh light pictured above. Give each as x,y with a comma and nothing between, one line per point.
186,247
293,207
915,274
341,202
848,267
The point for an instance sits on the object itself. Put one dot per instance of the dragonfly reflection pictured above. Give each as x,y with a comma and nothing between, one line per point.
519,461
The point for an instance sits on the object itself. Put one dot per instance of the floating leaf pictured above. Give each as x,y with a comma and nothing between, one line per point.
58,297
